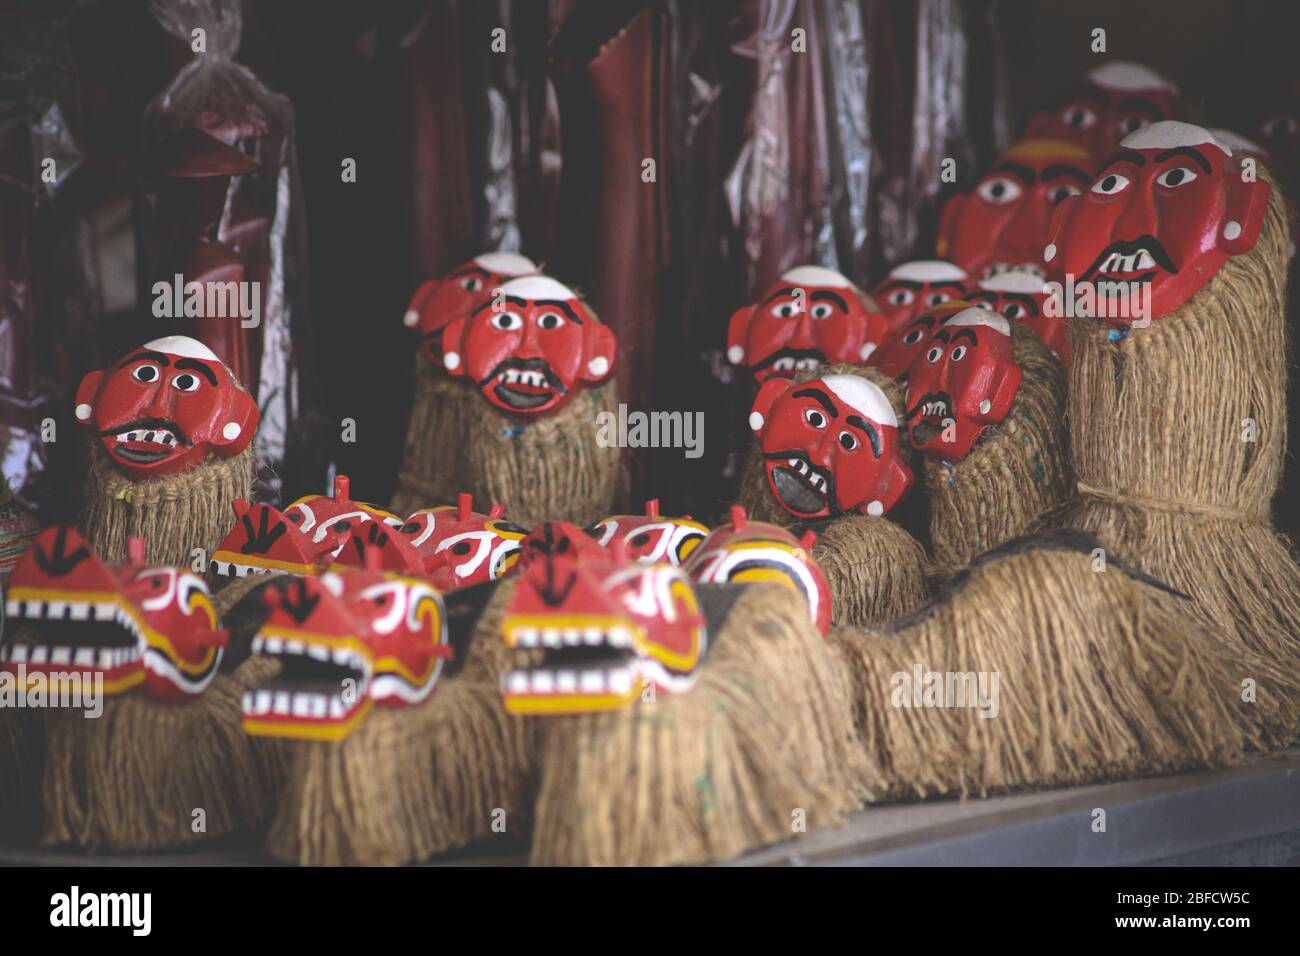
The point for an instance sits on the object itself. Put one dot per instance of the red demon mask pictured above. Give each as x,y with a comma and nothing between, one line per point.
439,302
1167,210
810,317
1001,225
965,382
914,288
904,347
1116,100
830,446
530,346
754,552
306,538
1022,297
608,626
458,546
134,623
346,640
651,538
165,407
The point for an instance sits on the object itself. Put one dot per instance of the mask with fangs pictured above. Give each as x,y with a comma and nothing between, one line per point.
809,317
530,346
830,446
458,546
607,627
135,624
1001,225
754,552
650,537
965,381
903,347
914,288
1116,100
1166,211
439,302
346,640
306,538
165,407
1021,297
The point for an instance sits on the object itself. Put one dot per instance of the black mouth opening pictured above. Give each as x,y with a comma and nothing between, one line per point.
302,674
802,488
787,361
933,410
583,658
1132,247
522,401
140,457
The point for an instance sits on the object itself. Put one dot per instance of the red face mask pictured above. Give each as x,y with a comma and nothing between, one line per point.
529,348
906,345
439,302
1168,209
965,382
809,318
1021,297
459,546
1117,99
651,538
914,288
165,407
1001,225
830,446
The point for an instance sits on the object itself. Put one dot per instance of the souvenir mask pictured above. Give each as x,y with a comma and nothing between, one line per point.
809,318
1241,146
458,546
651,538
1116,100
965,382
903,347
1168,210
346,640
530,348
914,288
754,552
1021,297
607,626
133,623
830,446
558,538
165,407
438,302
307,537
1001,225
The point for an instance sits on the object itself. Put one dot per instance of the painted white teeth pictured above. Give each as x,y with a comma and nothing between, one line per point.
543,682
592,682
551,637
526,637
620,681
566,681
593,636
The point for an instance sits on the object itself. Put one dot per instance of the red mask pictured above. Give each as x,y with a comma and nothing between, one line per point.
610,626
965,382
165,407
1168,210
1001,225
830,446
1021,297
1241,146
651,538
1117,99
914,288
346,640
529,348
754,552
809,318
439,302
134,623
459,546
906,345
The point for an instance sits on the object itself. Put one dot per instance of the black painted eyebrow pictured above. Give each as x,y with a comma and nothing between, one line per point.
949,284
562,306
1058,172
151,356
901,284
1142,105
826,403
873,436
1024,172
201,367
1194,154
1026,300
833,297
925,320
969,333
522,303
1126,156
941,335
776,295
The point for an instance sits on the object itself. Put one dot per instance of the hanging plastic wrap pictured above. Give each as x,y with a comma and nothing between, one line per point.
219,204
